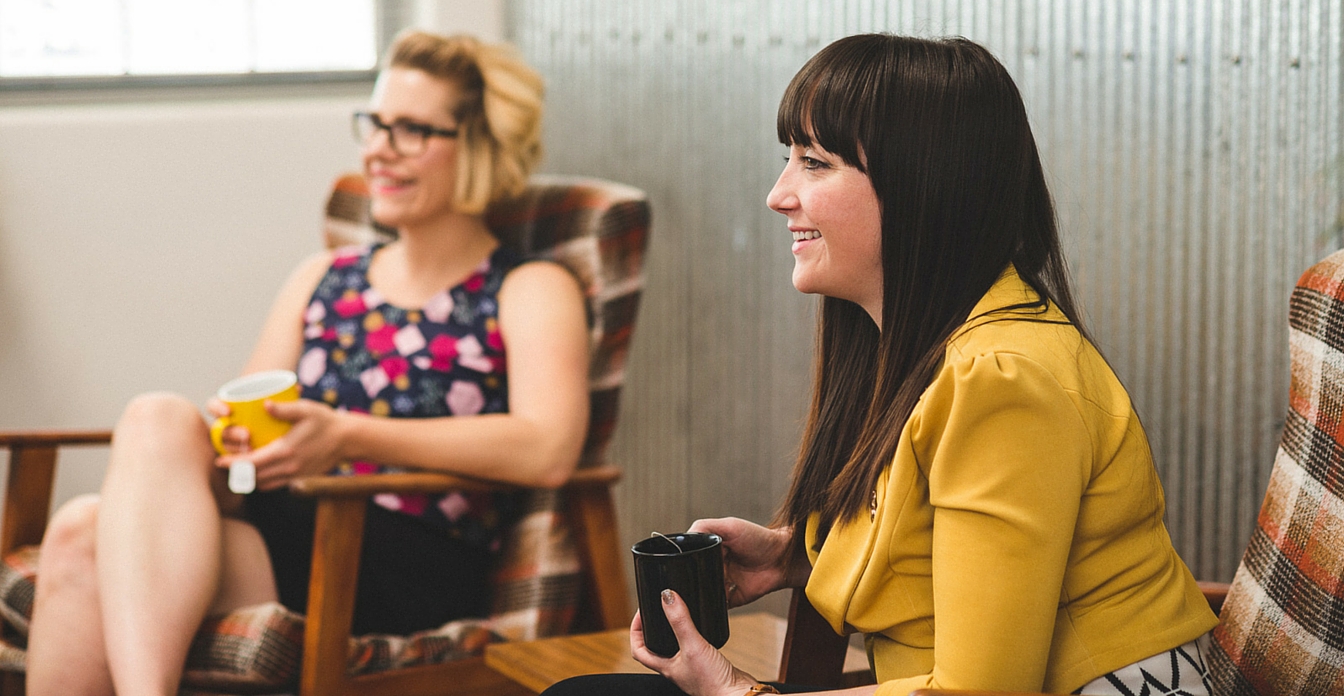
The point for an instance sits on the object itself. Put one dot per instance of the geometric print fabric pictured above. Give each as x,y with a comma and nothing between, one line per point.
1180,671
597,229
446,357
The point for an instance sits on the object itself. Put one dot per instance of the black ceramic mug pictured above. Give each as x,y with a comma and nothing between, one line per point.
690,564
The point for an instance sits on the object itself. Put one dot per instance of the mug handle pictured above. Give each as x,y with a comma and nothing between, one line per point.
217,433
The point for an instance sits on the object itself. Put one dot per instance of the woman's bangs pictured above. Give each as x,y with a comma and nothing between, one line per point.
792,121
822,106
837,117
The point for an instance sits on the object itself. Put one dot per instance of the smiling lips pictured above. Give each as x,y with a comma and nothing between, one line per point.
805,235
387,182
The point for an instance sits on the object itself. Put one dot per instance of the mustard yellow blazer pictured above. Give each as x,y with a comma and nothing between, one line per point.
1017,540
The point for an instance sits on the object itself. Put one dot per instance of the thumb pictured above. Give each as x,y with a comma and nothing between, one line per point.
285,410
679,617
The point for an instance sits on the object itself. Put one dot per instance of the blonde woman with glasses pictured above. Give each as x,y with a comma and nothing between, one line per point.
438,351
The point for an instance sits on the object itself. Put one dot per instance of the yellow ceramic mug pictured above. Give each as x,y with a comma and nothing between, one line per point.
246,397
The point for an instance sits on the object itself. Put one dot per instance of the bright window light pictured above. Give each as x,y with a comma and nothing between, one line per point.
78,38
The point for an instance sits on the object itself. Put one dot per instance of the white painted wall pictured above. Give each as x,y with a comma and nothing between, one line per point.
142,236
483,18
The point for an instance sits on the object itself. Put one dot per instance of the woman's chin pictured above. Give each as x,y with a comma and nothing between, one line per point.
802,283
386,215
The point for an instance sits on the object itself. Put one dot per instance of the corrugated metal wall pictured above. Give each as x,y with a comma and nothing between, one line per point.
1194,150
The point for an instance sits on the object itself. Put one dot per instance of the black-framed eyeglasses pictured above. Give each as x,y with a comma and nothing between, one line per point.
407,138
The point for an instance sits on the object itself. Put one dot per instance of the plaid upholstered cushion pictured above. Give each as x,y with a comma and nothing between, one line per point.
252,650
1282,627
536,587
258,649
16,590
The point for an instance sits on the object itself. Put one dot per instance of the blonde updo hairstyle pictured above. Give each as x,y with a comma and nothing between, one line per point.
498,117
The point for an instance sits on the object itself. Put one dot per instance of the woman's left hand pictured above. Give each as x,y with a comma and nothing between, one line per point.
311,447
697,668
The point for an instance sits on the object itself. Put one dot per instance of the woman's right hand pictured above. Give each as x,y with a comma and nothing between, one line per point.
235,437
757,560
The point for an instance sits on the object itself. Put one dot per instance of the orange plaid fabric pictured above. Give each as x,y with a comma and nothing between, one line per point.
1282,628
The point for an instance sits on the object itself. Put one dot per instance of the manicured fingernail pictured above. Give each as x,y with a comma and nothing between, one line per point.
667,597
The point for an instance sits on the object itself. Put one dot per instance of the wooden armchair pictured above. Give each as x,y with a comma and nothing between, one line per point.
596,228
1281,629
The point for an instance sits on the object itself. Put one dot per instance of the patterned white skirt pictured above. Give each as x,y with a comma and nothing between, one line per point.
1181,671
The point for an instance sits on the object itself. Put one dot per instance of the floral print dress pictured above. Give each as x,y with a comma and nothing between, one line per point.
446,358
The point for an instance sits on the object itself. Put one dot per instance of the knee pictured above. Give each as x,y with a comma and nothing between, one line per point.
68,547
155,410
155,418
159,434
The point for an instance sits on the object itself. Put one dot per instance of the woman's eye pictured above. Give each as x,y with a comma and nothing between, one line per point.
806,162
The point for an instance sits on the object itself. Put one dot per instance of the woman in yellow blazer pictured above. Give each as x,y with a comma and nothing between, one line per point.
974,491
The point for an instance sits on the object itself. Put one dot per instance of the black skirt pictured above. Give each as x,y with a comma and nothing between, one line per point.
412,576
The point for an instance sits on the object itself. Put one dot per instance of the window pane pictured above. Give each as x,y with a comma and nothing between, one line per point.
315,35
158,37
60,37
188,36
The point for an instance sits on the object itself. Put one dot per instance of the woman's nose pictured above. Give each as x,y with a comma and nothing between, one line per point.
379,143
781,197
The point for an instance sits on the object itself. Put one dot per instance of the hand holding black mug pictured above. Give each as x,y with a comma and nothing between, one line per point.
690,564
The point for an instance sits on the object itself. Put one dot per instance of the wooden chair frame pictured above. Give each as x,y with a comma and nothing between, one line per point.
341,502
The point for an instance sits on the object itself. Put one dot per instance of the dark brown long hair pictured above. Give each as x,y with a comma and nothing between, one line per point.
945,141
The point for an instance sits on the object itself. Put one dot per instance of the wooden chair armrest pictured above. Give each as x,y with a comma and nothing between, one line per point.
337,540
428,482
1215,593
53,438
372,484
32,471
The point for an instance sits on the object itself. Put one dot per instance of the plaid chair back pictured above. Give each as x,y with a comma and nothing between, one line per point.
598,230
1282,628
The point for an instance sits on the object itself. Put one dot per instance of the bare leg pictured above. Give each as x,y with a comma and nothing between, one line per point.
161,550
247,577
65,644
159,543
66,650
